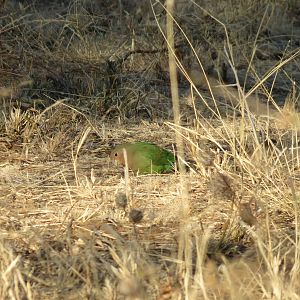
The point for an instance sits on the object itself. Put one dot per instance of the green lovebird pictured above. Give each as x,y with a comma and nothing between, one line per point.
144,158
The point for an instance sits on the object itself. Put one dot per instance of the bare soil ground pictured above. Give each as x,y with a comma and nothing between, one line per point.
77,78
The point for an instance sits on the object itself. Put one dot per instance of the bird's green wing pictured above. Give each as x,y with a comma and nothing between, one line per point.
151,158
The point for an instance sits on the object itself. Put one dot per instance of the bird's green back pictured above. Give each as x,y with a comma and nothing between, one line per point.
148,158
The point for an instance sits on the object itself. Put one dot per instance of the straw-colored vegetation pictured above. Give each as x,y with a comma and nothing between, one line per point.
80,76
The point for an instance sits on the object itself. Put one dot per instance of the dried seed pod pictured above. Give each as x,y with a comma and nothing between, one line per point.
135,215
246,214
121,200
221,186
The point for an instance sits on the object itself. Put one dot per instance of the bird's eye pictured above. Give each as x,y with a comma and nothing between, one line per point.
116,154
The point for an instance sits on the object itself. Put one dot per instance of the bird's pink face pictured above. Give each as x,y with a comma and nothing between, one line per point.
117,156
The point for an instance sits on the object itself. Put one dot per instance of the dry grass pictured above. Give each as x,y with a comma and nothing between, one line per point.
78,77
